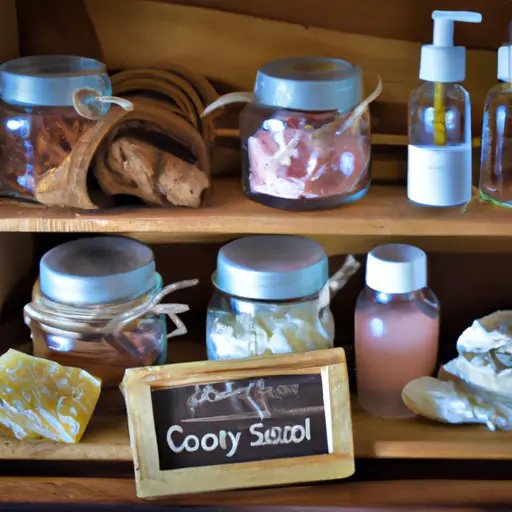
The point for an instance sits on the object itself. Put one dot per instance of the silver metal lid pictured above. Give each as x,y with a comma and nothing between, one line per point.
271,267
309,84
97,270
51,80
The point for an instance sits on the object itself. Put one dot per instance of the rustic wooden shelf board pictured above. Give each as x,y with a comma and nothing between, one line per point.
407,495
384,211
107,439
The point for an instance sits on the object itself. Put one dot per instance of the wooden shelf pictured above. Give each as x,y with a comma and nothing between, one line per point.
107,439
343,496
384,211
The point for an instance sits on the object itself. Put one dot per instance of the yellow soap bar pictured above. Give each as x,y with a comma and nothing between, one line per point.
43,399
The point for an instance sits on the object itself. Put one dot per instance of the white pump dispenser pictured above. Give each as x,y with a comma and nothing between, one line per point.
439,124
441,61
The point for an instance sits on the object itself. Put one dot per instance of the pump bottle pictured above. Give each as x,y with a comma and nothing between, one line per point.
439,123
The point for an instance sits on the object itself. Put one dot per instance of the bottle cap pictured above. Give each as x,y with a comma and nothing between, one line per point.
51,80
97,270
441,61
505,63
271,267
396,268
309,84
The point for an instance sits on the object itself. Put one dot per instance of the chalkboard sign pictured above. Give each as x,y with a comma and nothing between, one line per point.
216,425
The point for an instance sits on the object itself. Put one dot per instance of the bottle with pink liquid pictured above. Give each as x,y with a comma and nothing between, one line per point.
396,328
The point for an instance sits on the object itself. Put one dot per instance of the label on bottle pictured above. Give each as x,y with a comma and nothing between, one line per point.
439,175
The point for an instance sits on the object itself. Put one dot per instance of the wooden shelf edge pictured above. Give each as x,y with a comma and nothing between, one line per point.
107,440
407,494
384,212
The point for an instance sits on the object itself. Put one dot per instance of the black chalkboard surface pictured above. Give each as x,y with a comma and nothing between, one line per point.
217,425
253,419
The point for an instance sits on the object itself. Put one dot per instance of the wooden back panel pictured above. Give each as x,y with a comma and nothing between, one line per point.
228,40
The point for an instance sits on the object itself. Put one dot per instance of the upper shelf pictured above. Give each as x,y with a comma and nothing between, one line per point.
384,211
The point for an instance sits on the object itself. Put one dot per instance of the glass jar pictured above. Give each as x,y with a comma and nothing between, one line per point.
300,149
396,328
88,311
39,124
272,297
496,156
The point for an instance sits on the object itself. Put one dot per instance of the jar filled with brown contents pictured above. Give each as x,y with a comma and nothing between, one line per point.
96,306
39,123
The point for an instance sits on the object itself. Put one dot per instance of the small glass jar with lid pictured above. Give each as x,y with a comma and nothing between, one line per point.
39,120
95,306
496,152
301,148
271,297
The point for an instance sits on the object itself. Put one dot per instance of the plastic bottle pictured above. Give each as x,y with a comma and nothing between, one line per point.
396,328
439,162
496,157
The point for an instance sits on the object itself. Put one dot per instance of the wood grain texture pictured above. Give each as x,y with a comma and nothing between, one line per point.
56,27
106,439
397,19
385,211
9,42
476,495
229,48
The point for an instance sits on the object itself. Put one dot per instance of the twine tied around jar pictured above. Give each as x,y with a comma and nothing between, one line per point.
63,319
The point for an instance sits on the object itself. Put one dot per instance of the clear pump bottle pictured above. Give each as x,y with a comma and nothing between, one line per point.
496,157
439,152
396,328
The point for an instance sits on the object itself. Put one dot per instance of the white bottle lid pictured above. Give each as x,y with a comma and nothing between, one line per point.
396,268
505,63
441,61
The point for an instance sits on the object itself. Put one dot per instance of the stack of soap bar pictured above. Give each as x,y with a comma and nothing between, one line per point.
42,399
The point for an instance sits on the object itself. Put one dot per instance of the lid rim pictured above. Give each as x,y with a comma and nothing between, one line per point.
271,267
60,283
295,83
30,81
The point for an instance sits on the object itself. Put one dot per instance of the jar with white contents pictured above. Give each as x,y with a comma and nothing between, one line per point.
271,297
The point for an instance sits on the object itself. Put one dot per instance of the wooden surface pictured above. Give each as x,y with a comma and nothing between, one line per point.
9,42
384,211
106,439
232,39
397,19
229,48
55,27
482,495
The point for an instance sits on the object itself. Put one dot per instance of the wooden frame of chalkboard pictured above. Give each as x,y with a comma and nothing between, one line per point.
218,425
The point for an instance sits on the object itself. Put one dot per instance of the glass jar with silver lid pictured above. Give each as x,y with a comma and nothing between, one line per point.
96,306
48,102
304,146
271,297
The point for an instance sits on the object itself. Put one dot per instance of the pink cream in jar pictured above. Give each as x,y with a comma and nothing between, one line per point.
396,329
299,152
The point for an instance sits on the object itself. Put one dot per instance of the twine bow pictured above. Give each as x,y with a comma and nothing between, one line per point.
61,319
153,306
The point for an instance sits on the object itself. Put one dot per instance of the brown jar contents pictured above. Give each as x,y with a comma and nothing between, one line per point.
142,343
33,142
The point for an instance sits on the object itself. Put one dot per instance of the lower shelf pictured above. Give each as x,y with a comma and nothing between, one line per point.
383,496
107,439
